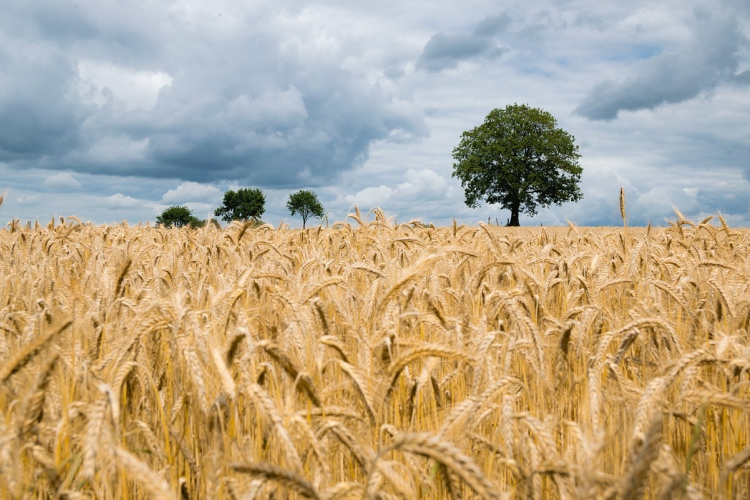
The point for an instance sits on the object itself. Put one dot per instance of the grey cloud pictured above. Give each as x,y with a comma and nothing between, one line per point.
447,50
709,149
63,181
394,72
589,19
742,78
492,25
243,104
710,58
280,138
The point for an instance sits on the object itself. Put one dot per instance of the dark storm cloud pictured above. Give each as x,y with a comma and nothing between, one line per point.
242,103
447,50
36,117
708,59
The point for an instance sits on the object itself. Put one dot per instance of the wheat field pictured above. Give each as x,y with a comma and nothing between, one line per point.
374,360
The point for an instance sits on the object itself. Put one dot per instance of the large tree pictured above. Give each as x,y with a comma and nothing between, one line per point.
306,204
178,216
518,158
243,204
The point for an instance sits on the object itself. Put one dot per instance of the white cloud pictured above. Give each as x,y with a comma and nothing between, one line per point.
103,82
420,186
29,200
201,210
63,181
659,202
371,197
120,201
423,194
423,185
122,149
188,192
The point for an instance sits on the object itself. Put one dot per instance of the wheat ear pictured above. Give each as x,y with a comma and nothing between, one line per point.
73,495
635,481
290,367
397,366
343,490
35,403
650,399
445,453
345,436
272,472
221,367
157,488
717,398
405,278
247,225
334,280
151,441
736,462
195,370
267,405
124,268
22,358
336,344
93,434
234,345
364,392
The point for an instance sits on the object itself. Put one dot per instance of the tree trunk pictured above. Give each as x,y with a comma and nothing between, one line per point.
514,219
514,216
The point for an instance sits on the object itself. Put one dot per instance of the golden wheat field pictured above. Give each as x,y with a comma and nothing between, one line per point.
376,361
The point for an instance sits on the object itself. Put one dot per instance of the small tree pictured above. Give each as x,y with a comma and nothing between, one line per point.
244,204
306,204
178,217
519,159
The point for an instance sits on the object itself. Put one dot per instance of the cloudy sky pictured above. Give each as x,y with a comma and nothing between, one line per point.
113,110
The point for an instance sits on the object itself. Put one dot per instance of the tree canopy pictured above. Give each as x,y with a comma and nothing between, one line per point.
306,204
243,204
518,158
178,216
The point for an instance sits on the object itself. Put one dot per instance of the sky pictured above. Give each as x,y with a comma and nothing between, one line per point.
114,110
